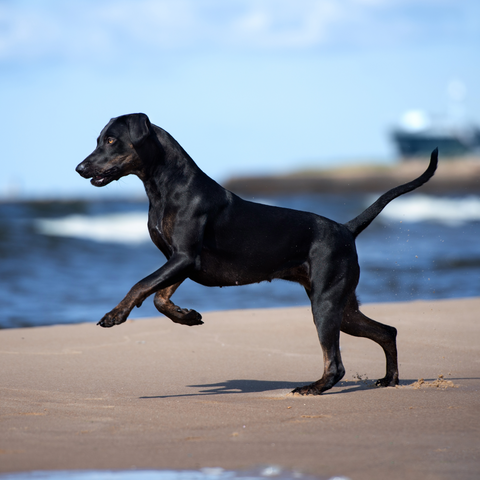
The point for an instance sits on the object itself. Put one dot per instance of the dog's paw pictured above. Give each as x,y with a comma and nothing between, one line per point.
188,317
306,390
106,322
111,319
387,382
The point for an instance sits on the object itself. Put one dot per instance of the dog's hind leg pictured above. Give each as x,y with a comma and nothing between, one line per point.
327,309
359,325
178,315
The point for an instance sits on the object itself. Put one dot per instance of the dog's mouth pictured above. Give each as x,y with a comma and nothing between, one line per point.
104,178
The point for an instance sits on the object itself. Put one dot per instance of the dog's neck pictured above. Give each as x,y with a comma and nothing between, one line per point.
173,172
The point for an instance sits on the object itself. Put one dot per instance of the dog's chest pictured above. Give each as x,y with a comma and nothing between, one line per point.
160,233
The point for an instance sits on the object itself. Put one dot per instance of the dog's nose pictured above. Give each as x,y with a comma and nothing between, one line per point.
81,167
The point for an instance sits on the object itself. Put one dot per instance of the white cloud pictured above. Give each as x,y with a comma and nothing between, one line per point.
162,24
95,29
286,24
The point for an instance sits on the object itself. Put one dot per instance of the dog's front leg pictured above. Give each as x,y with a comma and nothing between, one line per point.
183,316
174,271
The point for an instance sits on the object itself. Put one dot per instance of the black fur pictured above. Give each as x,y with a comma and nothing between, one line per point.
215,238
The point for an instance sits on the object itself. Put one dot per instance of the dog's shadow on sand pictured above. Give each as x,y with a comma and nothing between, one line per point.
261,386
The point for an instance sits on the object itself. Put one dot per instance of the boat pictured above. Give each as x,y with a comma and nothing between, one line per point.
419,133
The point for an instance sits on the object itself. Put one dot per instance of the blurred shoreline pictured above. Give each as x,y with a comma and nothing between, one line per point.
452,176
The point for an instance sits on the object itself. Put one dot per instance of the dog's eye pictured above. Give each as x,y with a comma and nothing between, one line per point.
110,140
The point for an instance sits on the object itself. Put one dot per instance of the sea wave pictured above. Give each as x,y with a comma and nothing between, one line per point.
131,227
426,208
125,228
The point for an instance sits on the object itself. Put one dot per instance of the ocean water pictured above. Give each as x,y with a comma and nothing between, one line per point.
202,474
73,261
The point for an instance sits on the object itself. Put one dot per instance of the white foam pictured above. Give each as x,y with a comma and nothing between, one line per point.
131,228
421,208
127,228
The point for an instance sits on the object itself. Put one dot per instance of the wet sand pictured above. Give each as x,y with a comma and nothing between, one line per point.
153,394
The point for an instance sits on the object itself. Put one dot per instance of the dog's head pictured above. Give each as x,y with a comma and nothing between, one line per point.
117,153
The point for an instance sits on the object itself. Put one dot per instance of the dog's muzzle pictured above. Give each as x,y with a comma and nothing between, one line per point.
98,179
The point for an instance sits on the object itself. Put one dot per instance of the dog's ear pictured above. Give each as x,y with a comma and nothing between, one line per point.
139,128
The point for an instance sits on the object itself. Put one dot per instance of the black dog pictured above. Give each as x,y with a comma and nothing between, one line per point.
215,238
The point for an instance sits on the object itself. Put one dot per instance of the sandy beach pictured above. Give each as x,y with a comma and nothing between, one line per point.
153,394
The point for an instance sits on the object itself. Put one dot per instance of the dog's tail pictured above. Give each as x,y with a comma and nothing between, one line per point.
360,223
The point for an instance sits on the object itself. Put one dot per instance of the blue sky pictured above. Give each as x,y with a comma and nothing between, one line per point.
246,86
